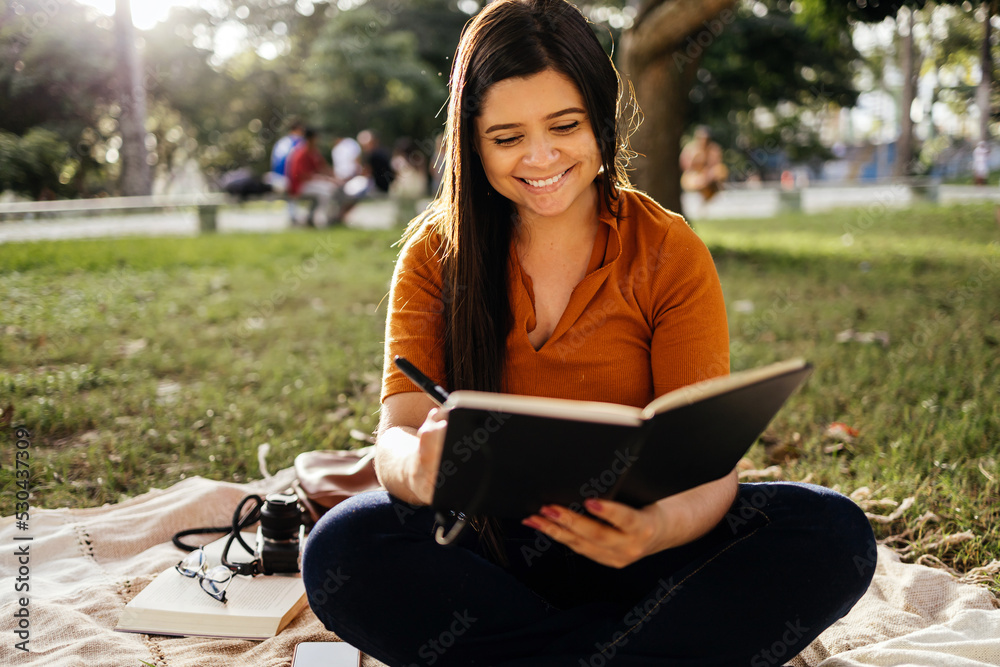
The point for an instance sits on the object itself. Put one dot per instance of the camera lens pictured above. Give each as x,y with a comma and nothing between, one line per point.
280,517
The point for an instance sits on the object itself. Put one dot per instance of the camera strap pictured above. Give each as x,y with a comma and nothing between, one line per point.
242,519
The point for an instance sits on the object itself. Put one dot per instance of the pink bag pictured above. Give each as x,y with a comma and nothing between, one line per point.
325,478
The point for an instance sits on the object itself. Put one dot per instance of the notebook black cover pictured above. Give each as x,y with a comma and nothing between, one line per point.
506,464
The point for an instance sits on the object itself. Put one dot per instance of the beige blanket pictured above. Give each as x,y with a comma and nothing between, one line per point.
85,565
912,615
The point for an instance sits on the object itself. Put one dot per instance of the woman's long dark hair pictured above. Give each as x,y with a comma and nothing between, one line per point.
509,38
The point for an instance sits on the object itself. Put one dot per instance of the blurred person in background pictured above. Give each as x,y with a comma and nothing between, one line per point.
277,178
981,163
375,177
409,165
310,176
376,163
346,156
283,149
701,164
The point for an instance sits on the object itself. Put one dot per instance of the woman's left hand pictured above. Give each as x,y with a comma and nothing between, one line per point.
632,534
637,533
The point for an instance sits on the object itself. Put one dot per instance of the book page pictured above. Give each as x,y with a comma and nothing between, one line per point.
265,595
539,406
247,596
719,385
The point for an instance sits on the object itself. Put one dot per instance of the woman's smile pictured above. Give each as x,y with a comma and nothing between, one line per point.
547,184
537,146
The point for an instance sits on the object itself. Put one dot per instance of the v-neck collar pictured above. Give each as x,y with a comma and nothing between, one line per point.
607,248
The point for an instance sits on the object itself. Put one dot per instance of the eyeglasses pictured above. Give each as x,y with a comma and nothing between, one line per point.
214,581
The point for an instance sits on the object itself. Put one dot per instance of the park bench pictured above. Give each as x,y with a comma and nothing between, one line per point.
399,207
207,206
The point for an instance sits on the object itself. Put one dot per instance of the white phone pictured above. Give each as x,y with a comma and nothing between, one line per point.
326,654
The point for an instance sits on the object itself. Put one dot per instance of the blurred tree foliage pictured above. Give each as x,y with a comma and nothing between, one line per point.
341,67
766,84
56,75
56,66
223,114
367,69
763,75
225,79
953,48
39,164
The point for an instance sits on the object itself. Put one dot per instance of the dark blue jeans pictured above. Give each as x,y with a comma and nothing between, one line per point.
786,562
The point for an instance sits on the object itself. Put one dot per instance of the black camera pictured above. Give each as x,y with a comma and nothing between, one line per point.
280,534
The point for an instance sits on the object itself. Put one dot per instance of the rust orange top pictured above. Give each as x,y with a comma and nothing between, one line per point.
648,317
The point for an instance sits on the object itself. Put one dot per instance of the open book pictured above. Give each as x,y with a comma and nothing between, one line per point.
257,607
507,455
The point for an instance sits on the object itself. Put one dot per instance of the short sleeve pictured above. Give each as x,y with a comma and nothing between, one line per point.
414,326
690,333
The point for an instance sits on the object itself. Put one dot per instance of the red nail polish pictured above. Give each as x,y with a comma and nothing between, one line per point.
550,512
594,505
531,523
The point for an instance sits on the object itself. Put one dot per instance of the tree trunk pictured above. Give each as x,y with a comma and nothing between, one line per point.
986,82
660,56
904,147
135,178
662,93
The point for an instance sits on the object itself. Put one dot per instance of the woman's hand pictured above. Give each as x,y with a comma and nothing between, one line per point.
632,535
636,533
422,466
409,445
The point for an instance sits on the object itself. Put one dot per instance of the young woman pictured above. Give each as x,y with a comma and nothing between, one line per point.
538,272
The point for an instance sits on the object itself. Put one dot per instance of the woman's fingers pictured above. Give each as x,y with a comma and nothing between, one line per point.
428,455
624,518
621,543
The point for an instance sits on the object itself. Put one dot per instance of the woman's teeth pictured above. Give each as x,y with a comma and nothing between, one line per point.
548,181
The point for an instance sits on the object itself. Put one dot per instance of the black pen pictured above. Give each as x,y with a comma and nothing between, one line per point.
437,394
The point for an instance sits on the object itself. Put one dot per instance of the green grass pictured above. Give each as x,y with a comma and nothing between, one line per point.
137,362
926,406
171,357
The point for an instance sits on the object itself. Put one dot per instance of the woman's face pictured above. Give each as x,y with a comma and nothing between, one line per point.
537,145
